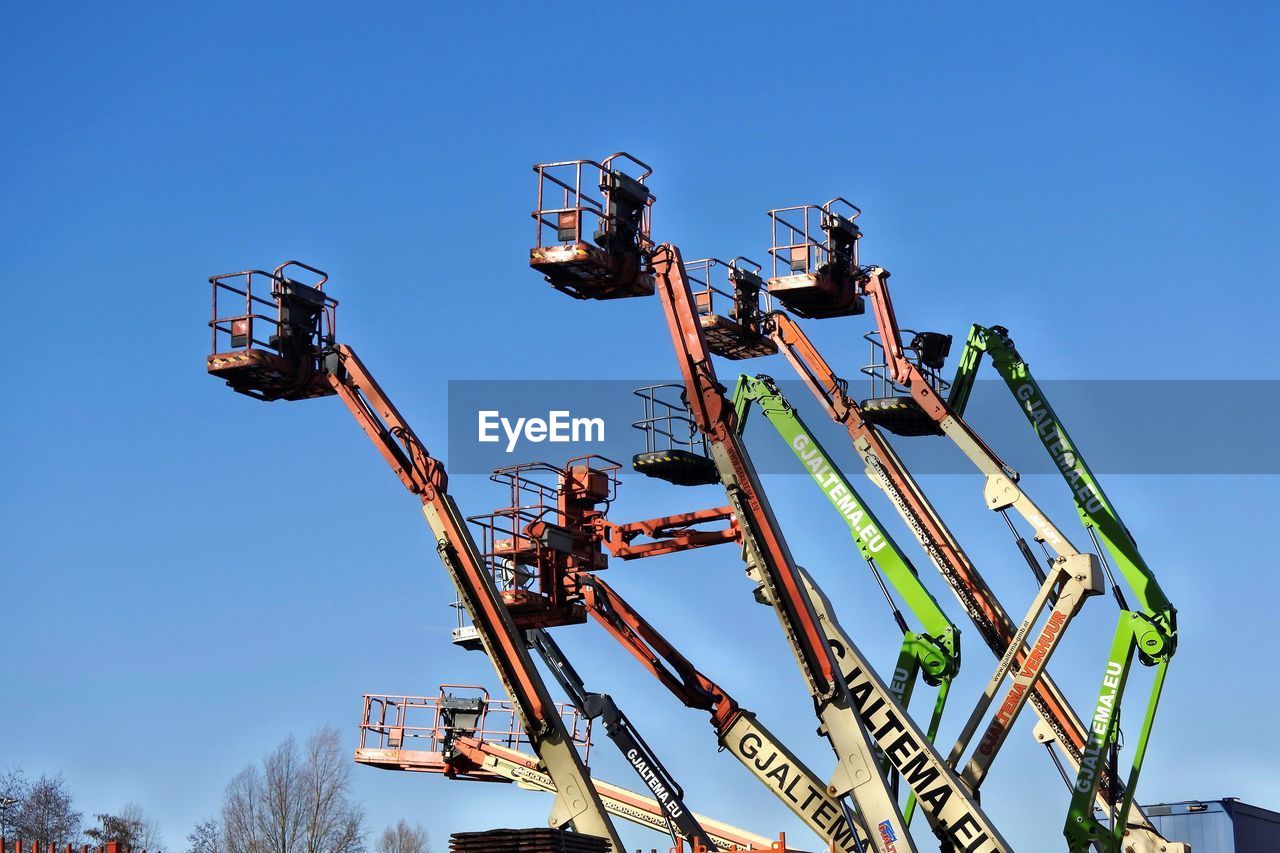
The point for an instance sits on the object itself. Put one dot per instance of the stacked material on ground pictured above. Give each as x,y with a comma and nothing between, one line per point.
537,840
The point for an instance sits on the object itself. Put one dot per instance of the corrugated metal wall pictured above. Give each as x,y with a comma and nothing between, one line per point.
1218,826
1257,830
1209,831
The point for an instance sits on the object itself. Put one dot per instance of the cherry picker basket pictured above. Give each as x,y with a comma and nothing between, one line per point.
422,733
272,332
534,545
815,259
674,449
891,405
591,227
737,289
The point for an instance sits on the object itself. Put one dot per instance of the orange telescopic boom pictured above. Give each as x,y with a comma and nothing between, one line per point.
290,353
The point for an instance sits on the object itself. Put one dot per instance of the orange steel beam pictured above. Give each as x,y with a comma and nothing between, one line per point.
670,533
423,475
655,653
737,729
714,416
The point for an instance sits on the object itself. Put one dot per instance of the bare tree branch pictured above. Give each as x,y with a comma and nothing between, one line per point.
403,838
300,802
206,837
45,814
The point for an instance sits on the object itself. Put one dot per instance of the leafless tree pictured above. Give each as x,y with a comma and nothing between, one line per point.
240,807
280,818
131,827
332,821
13,790
45,814
148,831
206,837
299,802
403,838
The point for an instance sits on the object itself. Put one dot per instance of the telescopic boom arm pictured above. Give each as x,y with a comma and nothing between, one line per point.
619,260
424,476
302,360
935,651
932,654
1150,630
557,527
857,772
737,729
1073,576
886,470
955,817
680,820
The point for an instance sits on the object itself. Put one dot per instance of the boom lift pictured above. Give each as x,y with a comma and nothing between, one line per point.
857,774
809,254
465,735
556,526
554,530
846,687
1073,576
780,582
299,358
932,654
1149,631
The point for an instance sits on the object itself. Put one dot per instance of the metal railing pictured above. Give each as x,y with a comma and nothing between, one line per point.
879,374
243,330
668,424
800,240
511,538
428,724
561,186
711,277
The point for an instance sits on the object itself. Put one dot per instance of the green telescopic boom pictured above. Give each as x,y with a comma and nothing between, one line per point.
933,653
1150,630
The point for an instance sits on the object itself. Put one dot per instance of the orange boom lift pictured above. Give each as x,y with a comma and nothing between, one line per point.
793,596
282,346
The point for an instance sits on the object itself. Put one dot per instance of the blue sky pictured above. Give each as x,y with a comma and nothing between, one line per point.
187,576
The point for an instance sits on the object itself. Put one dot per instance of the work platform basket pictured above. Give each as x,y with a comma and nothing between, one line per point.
731,302
423,733
674,449
591,227
273,332
814,252
890,405
535,545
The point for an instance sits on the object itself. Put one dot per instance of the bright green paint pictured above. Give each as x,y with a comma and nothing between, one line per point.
933,654
1096,511
937,647
1083,829
1152,631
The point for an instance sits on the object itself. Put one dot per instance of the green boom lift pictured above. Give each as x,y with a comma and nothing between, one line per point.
931,654
1150,631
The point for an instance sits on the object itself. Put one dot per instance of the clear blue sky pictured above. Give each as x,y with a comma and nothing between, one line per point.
187,576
